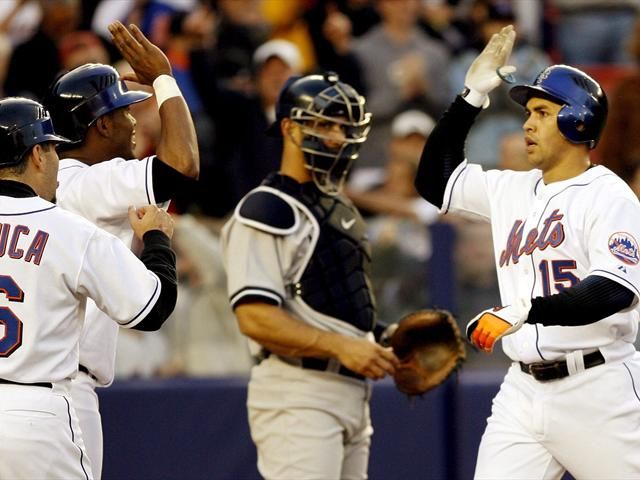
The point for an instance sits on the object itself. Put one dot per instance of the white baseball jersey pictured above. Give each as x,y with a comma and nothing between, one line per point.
549,237
52,260
102,193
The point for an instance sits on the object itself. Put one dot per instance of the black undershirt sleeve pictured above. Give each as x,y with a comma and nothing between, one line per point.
158,257
167,181
444,150
591,300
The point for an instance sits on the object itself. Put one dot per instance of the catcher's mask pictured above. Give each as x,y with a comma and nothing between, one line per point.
584,103
77,98
319,103
24,123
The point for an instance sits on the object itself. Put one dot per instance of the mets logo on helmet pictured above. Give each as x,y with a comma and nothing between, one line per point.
624,247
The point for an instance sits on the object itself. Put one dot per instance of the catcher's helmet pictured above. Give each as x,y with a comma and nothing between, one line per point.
24,123
585,107
78,98
314,100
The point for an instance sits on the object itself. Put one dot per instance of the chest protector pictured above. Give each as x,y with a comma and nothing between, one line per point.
335,281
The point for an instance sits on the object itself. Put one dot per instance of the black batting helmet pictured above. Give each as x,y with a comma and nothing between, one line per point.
78,98
24,123
584,104
317,99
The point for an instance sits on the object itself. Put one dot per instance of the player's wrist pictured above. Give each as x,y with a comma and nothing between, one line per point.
475,98
165,87
156,236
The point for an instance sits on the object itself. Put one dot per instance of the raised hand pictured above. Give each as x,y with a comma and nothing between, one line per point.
146,59
482,76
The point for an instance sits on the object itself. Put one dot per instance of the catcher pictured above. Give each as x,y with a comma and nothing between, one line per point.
430,347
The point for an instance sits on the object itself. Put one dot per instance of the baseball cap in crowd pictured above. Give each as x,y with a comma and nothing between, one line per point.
282,49
412,121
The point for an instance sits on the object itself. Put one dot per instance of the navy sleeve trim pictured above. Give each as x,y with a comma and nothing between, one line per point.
255,294
147,181
630,285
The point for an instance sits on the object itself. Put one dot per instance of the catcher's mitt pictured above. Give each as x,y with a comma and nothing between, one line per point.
429,346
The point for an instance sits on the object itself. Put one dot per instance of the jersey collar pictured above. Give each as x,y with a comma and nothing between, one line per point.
585,177
11,188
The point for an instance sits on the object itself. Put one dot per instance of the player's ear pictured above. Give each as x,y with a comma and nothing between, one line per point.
104,125
36,157
287,127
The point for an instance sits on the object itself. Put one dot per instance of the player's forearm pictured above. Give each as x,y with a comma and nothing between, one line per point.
178,145
587,302
283,334
444,150
159,258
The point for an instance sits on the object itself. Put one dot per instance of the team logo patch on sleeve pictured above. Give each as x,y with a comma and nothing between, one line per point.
624,247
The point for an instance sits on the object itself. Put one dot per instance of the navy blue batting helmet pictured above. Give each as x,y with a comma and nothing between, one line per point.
78,98
313,100
24,123
584,104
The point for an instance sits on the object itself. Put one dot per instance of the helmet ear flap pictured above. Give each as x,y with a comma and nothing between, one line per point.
574,122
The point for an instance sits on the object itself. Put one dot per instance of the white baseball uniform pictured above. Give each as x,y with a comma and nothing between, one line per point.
52,261
101,193
547,238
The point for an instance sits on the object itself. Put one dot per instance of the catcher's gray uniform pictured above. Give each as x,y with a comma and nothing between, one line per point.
290,245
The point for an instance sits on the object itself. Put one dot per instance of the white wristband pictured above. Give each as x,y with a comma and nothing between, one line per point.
475,98
165,87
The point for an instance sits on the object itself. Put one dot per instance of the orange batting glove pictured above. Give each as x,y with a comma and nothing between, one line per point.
488,329
490,325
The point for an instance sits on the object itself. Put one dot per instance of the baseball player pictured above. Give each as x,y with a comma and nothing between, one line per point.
99,178
297,262
52,261
566,251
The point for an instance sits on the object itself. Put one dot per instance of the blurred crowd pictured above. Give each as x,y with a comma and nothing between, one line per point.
409,57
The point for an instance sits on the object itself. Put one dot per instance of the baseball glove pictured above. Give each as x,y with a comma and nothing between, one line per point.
430,347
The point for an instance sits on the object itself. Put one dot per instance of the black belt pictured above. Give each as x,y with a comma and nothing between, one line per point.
545,371
320,364
84,369
35,384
